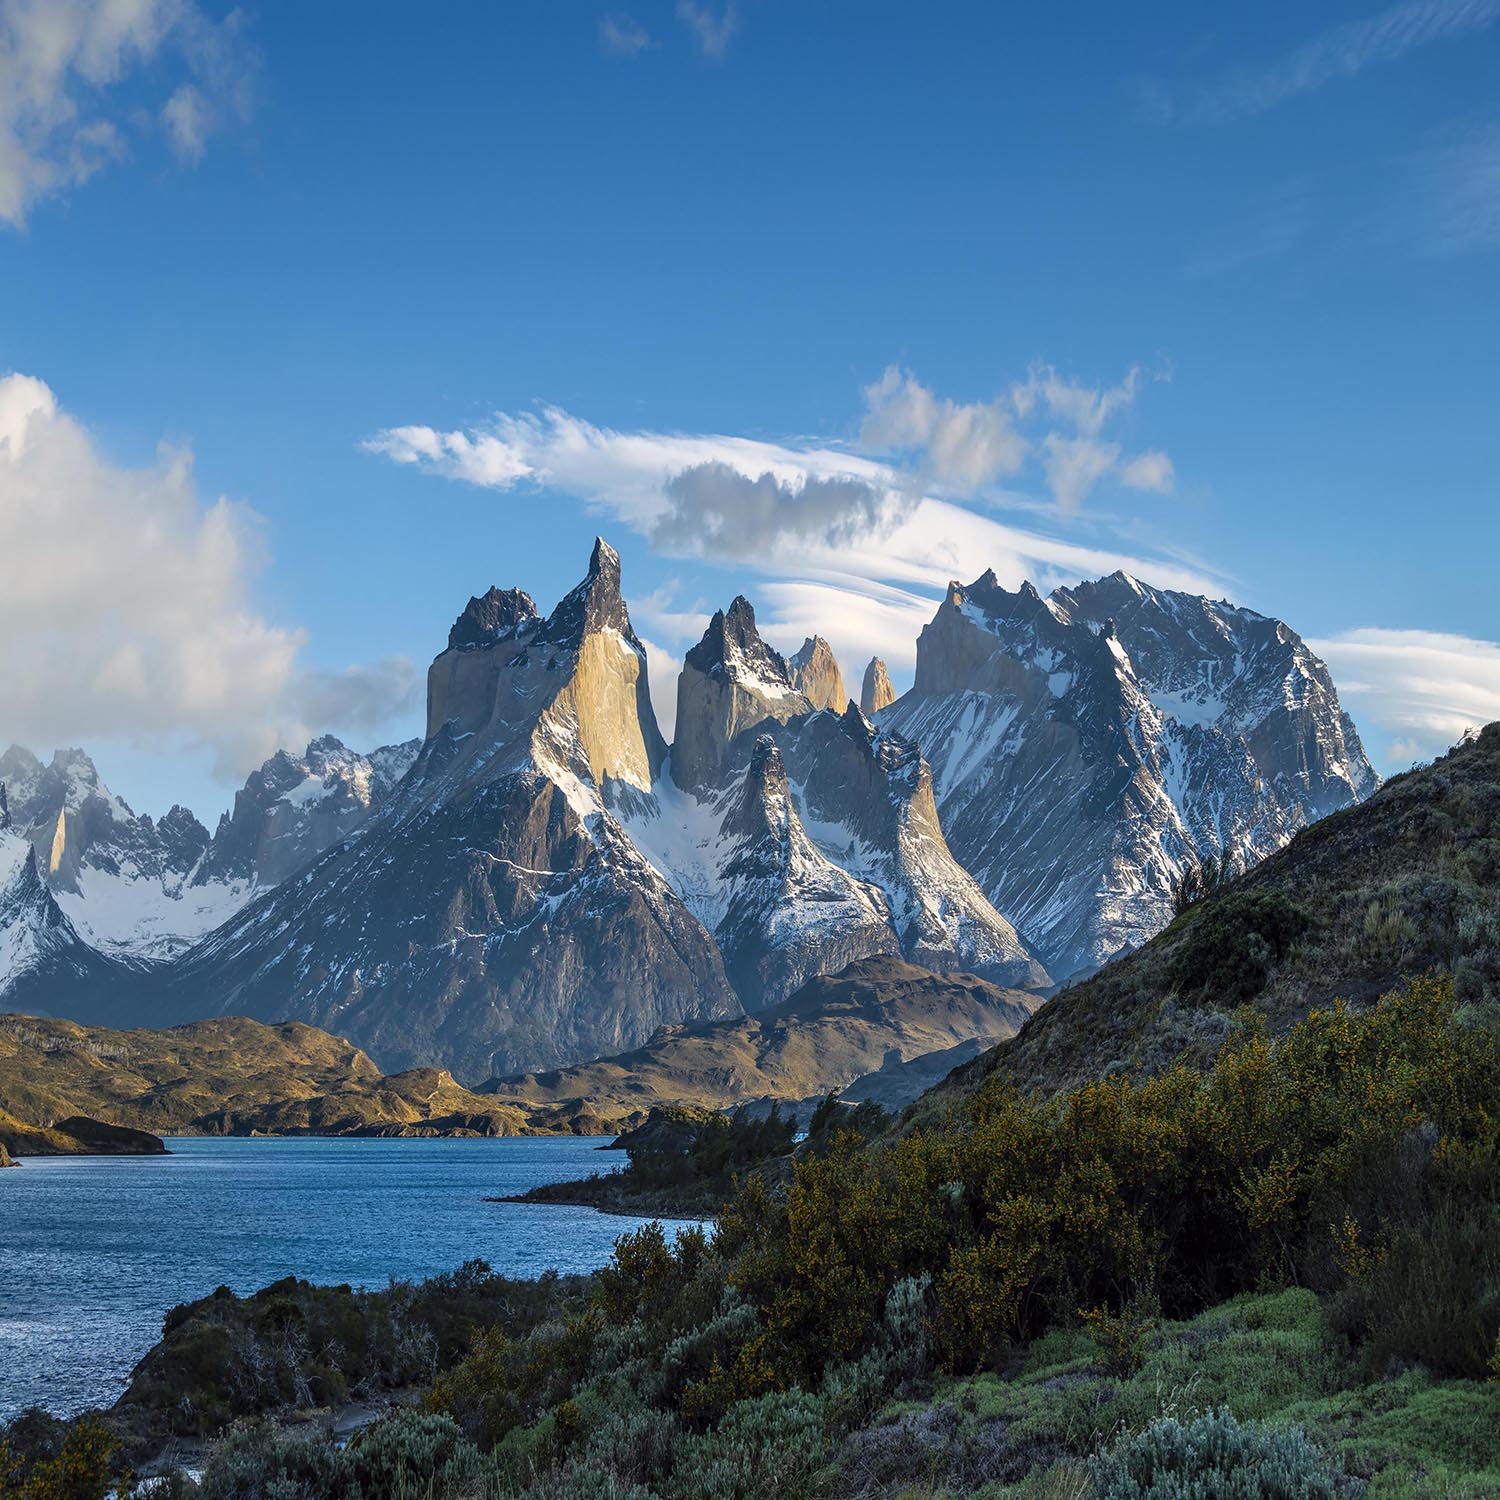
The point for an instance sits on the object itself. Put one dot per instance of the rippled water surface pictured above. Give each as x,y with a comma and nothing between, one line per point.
93,1250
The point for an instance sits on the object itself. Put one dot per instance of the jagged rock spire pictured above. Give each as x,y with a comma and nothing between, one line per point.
815,674
876,691
732,647
491,617
595,604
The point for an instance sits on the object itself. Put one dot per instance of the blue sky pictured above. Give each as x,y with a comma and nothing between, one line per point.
428,296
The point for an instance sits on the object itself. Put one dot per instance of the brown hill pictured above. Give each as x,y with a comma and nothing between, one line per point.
877,1014
233,1076
75,1135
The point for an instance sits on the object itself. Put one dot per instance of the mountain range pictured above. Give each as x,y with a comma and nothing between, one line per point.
542,880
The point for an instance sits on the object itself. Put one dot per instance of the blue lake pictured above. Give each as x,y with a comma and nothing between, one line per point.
94,1250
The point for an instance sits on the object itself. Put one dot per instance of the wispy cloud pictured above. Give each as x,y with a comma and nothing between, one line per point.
1447,194
1340,53
127,611
712,31
961,448
623,36
842,537
59,64
1421,689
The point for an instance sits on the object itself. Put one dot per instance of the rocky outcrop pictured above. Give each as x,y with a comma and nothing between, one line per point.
875,691
1089,747
730,685
789,911
78,1135
815,674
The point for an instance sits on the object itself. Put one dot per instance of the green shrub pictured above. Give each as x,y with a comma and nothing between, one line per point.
257,1461
409,1450
1215,1457
1231,942
1431,1295
772,1445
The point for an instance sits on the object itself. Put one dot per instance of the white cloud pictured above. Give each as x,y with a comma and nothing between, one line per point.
1149,471
962,449
623,36
864,564
1423,688
59,60
188,120
125,610
711,32
1341,52
958,447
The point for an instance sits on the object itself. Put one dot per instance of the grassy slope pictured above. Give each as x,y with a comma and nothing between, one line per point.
1267,1358
1405,884
835,1029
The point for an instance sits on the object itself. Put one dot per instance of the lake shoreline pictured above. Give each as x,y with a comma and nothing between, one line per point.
248,1211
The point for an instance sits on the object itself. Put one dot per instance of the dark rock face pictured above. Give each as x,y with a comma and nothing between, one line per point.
789,912
490,618
1089,747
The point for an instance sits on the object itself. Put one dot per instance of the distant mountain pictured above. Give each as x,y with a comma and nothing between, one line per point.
1089,747
140,889
46,966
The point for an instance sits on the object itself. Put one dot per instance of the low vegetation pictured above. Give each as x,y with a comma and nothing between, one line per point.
687,1163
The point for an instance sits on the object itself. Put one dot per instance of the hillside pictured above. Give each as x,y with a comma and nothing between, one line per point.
234,1076
1405,884
874,1017
73,1135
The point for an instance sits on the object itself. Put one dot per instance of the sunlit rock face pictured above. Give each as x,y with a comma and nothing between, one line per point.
1088,747
815,674
875,691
